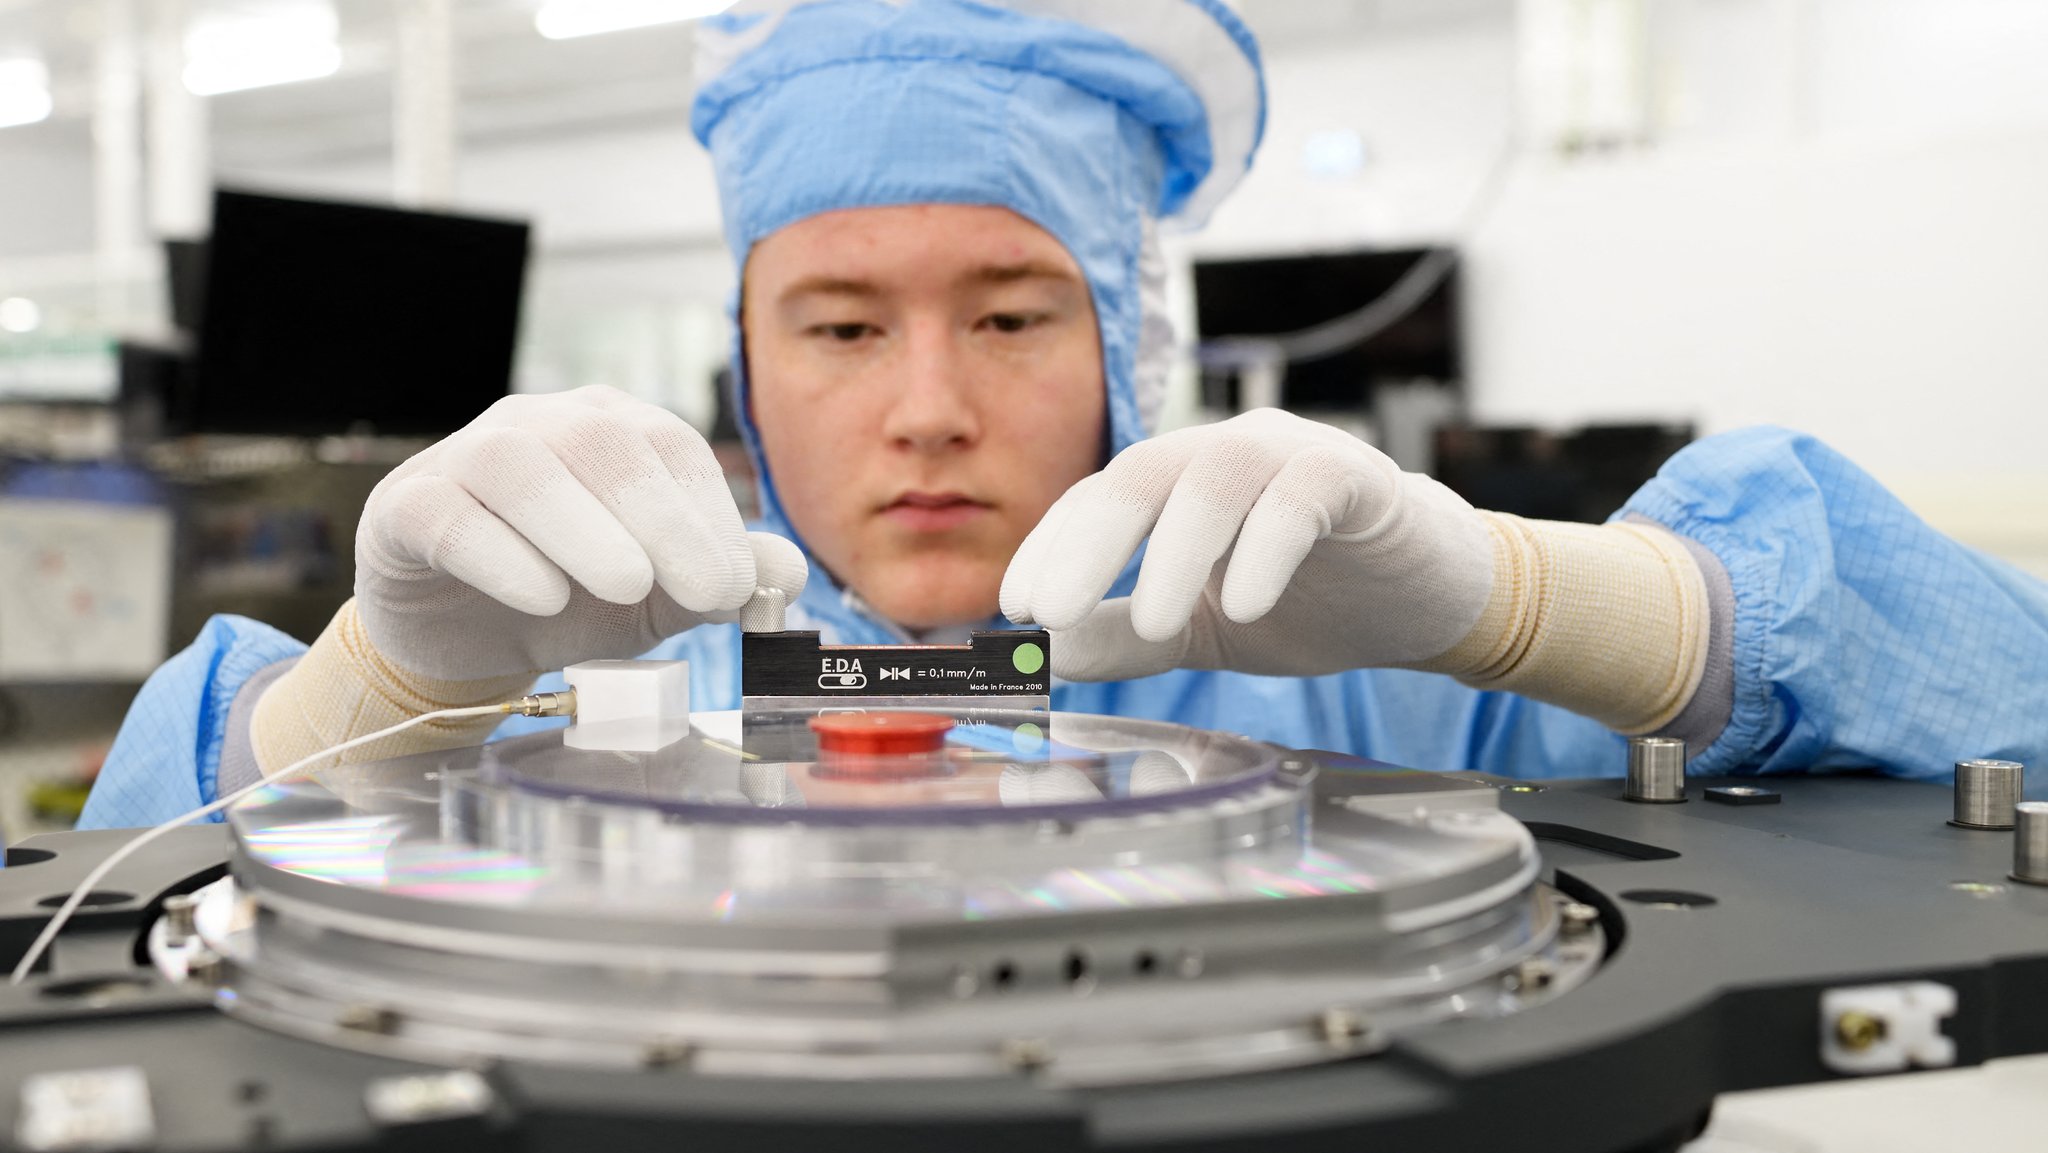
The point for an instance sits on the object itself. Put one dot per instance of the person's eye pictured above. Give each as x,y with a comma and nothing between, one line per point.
846,332
1012,322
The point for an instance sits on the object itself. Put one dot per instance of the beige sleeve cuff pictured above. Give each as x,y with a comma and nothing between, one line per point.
343,687
1610,621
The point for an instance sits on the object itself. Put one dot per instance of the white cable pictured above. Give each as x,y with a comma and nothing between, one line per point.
1352,329
57,923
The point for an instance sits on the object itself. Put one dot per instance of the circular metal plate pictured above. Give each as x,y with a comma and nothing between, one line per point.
1145,900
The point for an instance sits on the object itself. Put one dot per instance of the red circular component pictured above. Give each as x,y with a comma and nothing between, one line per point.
881,734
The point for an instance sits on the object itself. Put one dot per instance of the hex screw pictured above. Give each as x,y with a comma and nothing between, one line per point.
180,918
965,982
1577,918
1342,1026
1531,976
206,967
1857,1030
1025,1054
375,1019
663,1052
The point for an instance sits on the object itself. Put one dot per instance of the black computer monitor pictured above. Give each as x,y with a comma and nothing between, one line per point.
323,318
1272,296
185,276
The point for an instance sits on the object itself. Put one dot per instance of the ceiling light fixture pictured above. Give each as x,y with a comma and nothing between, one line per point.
24,92
567,19
20,314
233,49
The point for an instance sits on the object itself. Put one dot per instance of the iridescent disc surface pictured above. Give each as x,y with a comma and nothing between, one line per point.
993,764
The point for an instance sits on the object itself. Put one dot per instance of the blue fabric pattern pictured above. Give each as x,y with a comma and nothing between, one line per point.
164,758
1862,636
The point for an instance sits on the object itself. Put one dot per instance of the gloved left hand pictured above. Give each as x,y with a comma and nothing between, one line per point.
1278,545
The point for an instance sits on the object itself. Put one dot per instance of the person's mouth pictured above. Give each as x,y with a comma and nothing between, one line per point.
933,511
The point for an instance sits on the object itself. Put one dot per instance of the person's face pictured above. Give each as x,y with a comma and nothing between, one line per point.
926,381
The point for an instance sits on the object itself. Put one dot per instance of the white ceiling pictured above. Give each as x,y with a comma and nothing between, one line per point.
513,83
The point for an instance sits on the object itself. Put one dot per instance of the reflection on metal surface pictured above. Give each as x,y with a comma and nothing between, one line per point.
1144,901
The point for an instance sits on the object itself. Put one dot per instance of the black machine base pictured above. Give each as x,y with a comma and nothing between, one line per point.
1728,924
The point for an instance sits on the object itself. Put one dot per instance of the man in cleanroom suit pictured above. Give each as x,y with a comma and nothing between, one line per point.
950,346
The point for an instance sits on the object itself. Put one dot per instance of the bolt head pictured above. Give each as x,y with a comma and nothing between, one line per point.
206,967
1026,1053
1531,976
966,982
180,917
1577,917
375,1019
1857,1030
665,1051
1342,1026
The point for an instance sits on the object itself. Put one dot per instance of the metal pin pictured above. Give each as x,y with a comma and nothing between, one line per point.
1986,791
1342,1027
180,917
366,1018
2030,842
1576,918
1026,1053
662,1052
1656,771
1532,975
206,967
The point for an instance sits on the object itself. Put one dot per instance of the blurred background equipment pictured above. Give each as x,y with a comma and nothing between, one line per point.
1581,475
1282,295
86,580
87,589
316,318
322,318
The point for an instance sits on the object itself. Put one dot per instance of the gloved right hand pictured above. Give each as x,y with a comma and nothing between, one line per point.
554,529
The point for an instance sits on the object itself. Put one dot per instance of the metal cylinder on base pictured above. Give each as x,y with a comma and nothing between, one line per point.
1656,771
1986,792
2030,842
765,611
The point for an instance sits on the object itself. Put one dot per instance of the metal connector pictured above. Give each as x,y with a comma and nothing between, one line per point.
558,704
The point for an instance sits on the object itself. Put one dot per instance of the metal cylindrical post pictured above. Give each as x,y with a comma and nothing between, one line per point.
2030,842
765,612
1986,791
1656,770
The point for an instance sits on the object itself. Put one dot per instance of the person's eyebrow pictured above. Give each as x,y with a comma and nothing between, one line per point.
1022,270
827,286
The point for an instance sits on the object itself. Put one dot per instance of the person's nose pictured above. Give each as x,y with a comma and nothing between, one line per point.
934,408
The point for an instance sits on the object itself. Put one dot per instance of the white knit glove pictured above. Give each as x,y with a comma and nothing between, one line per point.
554,529
1278,545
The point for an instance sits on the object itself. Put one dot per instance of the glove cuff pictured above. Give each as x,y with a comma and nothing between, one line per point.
343,687
1610,621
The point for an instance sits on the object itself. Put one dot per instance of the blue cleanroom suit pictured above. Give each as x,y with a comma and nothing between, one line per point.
1856,635
1861,637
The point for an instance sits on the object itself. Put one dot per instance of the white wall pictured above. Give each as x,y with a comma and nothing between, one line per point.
1433,108
629,185
46,191
1852,242
1888,297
